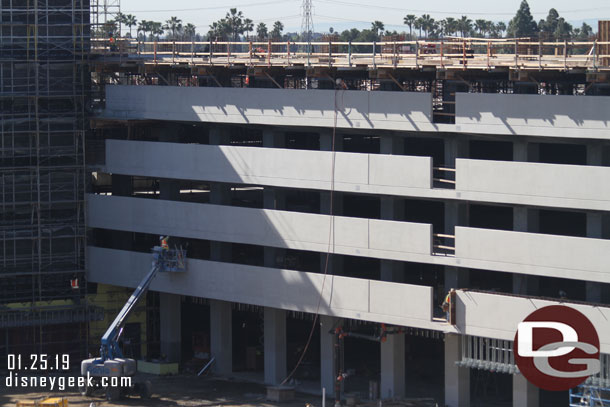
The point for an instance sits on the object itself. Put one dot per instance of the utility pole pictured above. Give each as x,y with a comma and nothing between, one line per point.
307,25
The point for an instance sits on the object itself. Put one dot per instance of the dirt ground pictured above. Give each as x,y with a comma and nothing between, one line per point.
179,390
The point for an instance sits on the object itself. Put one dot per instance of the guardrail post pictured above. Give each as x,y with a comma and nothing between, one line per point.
228,52
374,51
210,50
464,54
173,51
595,54
349,53
488,54
330,53
516,53
192,50
540,54
416,53
565,54
155,51
442,52
250,51
288,51
269,53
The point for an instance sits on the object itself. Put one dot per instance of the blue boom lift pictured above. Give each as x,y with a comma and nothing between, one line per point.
111,363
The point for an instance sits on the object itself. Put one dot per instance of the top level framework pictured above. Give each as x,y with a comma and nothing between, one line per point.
449,54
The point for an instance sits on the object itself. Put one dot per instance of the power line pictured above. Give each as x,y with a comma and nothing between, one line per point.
378,6
264,3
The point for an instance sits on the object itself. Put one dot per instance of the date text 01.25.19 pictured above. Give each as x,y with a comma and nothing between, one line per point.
41,362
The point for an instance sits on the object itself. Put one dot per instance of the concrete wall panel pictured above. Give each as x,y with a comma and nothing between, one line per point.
497,316
265,227
393,303
580,182
535,115
287,107
266,166
532,249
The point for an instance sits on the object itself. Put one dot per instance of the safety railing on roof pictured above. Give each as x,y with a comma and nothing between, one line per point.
451,53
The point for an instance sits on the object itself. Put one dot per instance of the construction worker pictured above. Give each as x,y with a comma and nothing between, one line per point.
447,306
164,244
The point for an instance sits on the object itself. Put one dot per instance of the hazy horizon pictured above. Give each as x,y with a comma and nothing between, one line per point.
343,14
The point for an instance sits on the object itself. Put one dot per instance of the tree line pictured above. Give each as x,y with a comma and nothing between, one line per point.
236,27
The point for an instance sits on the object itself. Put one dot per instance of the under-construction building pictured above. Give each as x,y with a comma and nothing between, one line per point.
44,87
351,189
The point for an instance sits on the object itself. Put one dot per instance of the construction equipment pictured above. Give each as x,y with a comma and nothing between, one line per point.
45,402
339,333
106,372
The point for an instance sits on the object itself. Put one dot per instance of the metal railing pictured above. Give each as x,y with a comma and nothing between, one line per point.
448,53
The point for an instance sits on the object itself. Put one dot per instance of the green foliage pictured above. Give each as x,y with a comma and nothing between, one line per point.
278,27
261,31
523,24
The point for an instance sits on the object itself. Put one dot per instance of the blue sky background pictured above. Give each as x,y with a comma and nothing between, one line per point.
342,14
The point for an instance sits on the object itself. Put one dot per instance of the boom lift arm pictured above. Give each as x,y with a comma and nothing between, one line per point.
111,362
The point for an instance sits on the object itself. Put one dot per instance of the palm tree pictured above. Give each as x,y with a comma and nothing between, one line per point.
261,31
248,27
377,27
174,24
464,25
427,23
144,27
278,27
130,21
156,29
120,20
450,26
234,20
480,25
410,20
501,27
190,31
419,25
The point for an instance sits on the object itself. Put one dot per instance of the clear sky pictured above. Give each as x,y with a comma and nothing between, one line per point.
342,14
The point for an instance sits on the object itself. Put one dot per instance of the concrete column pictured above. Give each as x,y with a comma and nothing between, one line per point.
219,136
220,194
121,185
275,345
392,144
170,321
273,198
594,230
525,220
335,264
326,141
455,214
393,367
393,379
169,189
525,394
273,138
327,366
221,336
457,379
594,222
455,147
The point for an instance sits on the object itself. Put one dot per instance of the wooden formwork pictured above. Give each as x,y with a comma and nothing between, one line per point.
603,35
